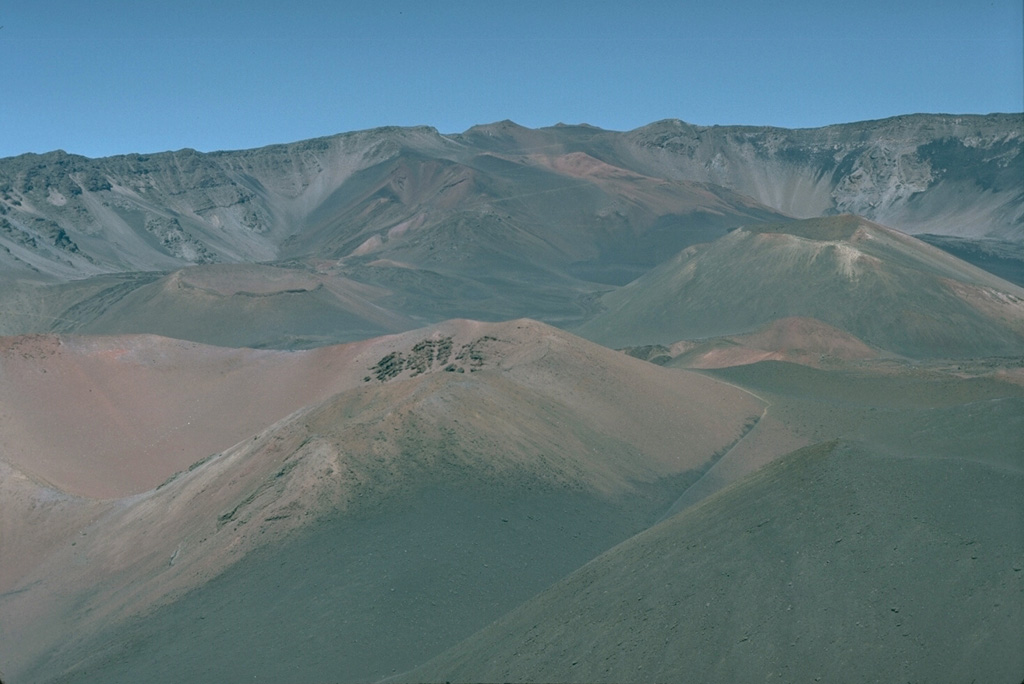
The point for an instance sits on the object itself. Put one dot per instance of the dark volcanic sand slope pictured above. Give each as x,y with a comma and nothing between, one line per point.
899,408
356,600
837,563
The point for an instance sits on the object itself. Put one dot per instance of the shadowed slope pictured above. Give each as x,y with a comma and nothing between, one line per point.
999,257
887,289
836,562
497,420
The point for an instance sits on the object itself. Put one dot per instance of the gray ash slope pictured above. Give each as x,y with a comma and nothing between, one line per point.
888,289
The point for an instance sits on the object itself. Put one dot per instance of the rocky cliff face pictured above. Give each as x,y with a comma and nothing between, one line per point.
63,214
945,175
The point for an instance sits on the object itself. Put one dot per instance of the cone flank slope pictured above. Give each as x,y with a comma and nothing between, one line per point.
885,288
519,411
684,598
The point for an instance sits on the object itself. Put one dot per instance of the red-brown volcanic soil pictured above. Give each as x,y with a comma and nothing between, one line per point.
106,417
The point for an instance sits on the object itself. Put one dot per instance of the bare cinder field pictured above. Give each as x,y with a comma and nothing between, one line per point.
321,411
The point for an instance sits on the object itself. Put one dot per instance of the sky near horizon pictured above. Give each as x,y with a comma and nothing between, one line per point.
118,76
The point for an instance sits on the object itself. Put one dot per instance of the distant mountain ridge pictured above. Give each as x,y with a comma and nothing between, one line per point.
913,172
380,231
65,215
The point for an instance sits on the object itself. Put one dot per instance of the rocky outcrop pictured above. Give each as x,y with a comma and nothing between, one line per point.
942,174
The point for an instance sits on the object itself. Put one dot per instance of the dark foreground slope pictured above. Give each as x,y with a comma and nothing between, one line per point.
839,563
471,466
885,288
462,469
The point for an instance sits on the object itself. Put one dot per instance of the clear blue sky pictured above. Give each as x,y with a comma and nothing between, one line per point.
116,76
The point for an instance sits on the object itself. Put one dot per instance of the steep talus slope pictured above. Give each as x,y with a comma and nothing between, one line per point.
501,422
838,562
921,173
885,288
64,216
